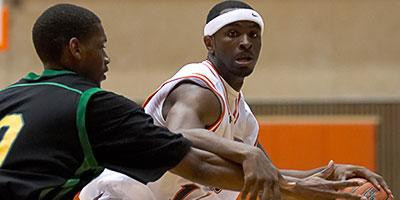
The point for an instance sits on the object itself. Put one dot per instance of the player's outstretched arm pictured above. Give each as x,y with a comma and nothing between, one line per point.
317,186
341,172
209,169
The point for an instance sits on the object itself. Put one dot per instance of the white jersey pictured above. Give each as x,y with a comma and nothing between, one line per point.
236,122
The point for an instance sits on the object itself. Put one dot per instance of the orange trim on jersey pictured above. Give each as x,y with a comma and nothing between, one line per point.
216,124
185,191
211,67
236,114
76,197
204,79
258,134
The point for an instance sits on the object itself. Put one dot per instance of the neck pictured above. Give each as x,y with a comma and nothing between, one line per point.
234,81
56,66
53,67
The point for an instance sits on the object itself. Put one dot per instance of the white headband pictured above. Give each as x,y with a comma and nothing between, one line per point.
233,16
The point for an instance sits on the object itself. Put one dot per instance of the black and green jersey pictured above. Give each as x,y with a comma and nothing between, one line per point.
58,131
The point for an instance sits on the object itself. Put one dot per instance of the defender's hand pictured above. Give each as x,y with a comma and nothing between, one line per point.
344,172
261,177
317,187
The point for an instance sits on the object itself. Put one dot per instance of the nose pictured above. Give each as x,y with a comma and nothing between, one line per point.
245,42
107,60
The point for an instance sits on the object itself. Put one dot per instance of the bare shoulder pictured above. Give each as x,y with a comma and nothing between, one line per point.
198,99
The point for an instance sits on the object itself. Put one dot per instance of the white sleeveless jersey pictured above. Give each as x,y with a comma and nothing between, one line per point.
236,122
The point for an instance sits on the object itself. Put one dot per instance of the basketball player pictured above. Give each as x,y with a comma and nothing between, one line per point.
59,130
207,96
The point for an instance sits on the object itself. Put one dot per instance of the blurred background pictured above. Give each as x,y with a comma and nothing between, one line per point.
327,84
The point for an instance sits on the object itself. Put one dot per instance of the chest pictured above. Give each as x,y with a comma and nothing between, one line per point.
241,127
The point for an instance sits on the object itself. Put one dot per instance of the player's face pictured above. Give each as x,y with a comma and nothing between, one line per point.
94,57
237,47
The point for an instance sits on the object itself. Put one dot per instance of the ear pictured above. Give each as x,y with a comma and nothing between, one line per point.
209,43
74,47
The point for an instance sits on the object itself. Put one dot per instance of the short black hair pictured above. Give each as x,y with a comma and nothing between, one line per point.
218,8
57,25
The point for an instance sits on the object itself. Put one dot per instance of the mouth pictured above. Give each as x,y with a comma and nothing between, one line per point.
104,74
244,60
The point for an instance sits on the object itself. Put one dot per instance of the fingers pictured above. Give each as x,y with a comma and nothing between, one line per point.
331,164
327,171
248,182
376,180
380,183
386,188
346,175
324,194
265,192
255,191
277,191
284,184
270,194
287,185
342,184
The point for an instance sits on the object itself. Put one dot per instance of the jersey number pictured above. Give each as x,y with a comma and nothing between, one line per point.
10,126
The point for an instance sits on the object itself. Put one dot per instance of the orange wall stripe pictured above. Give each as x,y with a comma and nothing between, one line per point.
4,29
306,146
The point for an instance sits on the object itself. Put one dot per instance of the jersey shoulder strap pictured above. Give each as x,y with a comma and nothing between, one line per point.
89,164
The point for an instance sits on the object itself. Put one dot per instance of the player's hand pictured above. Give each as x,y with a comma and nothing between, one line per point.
317,187
344,172
261,177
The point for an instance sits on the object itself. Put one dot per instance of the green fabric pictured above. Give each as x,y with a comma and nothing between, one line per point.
81,124
47,73
89,162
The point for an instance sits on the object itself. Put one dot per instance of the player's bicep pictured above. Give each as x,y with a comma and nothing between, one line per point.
183,116
191,106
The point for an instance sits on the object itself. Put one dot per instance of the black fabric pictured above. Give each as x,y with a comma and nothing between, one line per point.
127,141
47,151
230,4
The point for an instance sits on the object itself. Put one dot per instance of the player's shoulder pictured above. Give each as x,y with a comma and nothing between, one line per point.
194,68
112,99
198,71
195,95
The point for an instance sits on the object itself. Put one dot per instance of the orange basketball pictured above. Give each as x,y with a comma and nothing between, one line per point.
368,190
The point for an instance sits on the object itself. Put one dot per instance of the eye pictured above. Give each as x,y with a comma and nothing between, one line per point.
254,34
232,33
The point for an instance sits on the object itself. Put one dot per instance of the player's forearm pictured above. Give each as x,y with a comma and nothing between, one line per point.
208,169
223,174
227,149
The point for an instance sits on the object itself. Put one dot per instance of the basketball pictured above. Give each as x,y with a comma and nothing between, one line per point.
368,190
